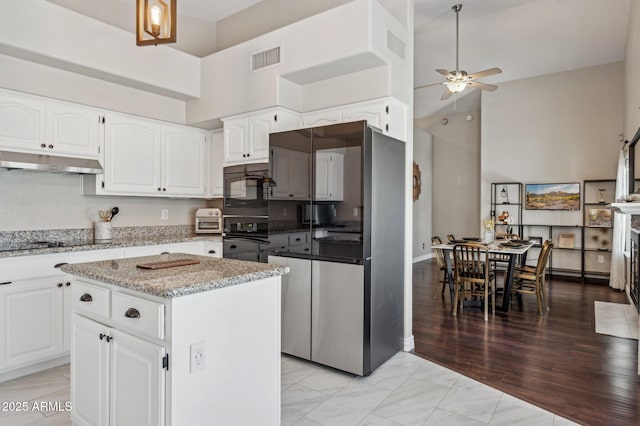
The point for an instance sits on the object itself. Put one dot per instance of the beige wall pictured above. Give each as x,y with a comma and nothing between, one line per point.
422,155
456,174
562,127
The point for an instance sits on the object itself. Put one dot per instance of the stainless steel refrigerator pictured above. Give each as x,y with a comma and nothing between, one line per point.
337,220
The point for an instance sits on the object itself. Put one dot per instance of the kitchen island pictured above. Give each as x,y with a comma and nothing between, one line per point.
197,344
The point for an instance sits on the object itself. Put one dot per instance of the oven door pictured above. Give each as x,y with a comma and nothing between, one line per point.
246,189
244,248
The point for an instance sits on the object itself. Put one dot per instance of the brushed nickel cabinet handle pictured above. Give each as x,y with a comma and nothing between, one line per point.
132,313
86,298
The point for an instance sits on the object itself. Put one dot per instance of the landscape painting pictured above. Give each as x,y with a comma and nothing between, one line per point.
552,196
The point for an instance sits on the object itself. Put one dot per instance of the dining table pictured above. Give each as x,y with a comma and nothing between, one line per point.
514,252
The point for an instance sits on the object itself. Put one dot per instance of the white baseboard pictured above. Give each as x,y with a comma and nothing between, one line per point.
24,371
423,257
409,344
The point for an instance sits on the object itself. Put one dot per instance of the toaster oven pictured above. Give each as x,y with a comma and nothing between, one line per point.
208,221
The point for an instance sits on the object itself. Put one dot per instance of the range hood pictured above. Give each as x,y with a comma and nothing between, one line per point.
48,163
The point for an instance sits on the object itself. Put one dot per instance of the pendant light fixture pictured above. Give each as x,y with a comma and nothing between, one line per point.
155,22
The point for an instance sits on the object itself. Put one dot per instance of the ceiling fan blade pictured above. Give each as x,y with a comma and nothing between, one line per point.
482,86
443,72
485,73
445,95
428,85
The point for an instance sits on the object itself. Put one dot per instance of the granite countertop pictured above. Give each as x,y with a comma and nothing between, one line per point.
210,274
115,243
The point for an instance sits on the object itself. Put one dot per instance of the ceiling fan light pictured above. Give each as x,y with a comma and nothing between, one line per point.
456,86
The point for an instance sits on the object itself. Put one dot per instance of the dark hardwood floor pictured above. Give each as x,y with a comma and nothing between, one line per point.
555,361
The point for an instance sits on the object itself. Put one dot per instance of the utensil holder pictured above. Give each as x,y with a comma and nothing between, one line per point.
102,232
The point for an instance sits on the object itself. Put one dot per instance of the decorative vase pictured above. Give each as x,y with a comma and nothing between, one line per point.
489,236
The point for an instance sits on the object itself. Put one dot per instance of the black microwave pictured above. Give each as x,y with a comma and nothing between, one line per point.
246,189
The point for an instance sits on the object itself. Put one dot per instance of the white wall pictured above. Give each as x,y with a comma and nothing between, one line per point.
30,77
32,201
561,127
422,208
456,174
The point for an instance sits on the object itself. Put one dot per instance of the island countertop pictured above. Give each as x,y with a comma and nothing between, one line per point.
209,274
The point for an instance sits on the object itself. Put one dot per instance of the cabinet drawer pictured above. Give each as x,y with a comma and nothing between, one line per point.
90,299
139,315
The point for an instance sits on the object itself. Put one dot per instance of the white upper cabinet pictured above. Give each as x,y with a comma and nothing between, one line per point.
183,161
148,158
387,114
132,156
40,125
246,136
329,183
216,164
22,124
73,130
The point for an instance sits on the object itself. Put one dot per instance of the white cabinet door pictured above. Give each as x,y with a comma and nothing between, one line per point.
321,118
31,321
22,122
329,183
280,173
388,115
259,128
72,130
183,161
90,366
236,140
132,156
137,381
216,164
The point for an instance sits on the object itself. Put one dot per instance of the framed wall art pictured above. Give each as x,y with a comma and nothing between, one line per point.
552,196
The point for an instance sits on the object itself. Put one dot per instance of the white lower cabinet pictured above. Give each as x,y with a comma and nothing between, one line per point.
32,327
117,378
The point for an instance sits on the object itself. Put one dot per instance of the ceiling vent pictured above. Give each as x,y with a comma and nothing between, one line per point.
265,59
395,44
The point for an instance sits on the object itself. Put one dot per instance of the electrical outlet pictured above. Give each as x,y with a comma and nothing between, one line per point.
164,214
600,258
197,356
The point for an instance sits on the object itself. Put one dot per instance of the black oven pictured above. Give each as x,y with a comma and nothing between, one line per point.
246,189
246,238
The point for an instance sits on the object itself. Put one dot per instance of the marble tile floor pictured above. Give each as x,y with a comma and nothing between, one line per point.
406,390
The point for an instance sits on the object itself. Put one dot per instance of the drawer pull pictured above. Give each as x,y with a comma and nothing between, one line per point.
212,252
86,298
132,313
5,282
165,252
60,265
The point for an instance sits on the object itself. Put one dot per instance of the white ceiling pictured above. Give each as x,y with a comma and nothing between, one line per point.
524,38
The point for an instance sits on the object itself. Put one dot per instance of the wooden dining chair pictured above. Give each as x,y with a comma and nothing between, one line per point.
531,280
442,267
473,277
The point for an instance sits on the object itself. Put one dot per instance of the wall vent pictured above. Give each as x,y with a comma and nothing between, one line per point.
264,59
395,44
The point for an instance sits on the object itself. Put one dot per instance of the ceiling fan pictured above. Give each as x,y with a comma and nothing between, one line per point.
458,80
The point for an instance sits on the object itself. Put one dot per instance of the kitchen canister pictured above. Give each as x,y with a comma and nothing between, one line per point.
102,232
